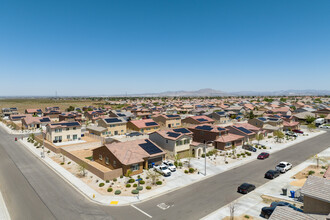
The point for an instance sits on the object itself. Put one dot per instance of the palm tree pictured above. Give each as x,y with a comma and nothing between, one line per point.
319,160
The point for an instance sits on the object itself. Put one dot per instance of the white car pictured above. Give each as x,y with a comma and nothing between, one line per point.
162,169
283,167
324,126
170,166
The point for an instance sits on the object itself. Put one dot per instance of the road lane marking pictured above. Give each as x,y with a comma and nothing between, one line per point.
141,211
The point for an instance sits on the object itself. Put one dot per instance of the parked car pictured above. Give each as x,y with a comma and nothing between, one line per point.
170,166
297,131
290,133
324,126
271,174
263,155
249,148
246,188
162,169
283,167
266,212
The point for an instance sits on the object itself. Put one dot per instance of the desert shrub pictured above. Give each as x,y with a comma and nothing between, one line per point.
62,163
128,185
246,216
117,192
186,171
203,155
109,189
148,187
115,179
101,184
107,181
134,185
131,180
180,164
121,176
159,182
147,177
324,167
69,162
227,161
191,170
321,172
35,144
139,188
311,172
135,191
48,152
142,182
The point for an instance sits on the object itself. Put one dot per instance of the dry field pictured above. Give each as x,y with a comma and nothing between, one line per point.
41,103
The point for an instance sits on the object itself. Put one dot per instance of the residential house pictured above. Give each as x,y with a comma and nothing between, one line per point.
17,117
301,117
322,112
31,122
143,126
281,111
141,113
94,115
34,112
52,112
288,213
242,131
174,142
70,116
130,155
109,127
7,112
219,136
63,131
198,120
269,124
220,117
169,121
316,192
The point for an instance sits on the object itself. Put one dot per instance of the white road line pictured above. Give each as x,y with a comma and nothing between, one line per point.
141,211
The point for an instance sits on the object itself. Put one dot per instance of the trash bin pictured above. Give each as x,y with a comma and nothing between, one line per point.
285,191
15,138
292,193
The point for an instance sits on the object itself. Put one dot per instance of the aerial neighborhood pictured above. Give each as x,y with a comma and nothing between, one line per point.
166,140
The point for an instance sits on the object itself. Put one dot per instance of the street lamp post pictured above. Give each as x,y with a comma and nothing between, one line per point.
205,155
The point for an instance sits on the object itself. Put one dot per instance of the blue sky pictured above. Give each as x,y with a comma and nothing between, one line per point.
113,47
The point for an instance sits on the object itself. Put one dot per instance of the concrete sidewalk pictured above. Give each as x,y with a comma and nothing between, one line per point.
252,203
4,214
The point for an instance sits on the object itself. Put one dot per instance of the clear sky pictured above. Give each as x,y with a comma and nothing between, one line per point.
85,47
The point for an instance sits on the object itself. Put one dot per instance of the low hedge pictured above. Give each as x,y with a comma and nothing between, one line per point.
117,192
131,180
109,189
148,187
135,191
159,182
101,184
142,182
139,188
134,185
191,170
128,185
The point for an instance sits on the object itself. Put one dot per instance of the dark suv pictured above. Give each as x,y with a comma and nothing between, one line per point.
246,188
249,148
271,174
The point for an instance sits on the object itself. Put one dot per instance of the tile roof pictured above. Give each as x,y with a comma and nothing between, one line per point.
143,123
229,137
130,152
248,126
283,212
317,187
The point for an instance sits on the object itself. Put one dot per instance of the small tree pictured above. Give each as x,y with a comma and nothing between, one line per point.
311,127
82,168
190,156
233,148
153,176
319,160
309,119
259,137
128,173
232,209
279,135
71,108
32,136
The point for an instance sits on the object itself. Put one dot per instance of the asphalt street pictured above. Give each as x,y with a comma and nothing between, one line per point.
32,190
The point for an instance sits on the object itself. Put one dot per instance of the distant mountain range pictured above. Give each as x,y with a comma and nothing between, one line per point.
213,92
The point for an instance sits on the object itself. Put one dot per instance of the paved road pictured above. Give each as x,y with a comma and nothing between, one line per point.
33,191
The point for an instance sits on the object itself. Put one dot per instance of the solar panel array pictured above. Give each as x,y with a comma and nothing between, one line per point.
45,120
201,119
172,134
112,120
262,119
182,130
68,124
151,123
150,148
244,130
172,116
220,113
221,129
272,119
121,114
204,127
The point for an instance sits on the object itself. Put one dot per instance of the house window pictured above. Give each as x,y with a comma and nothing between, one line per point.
75,137
114,163
106,160
68,137
74,128
166,141
67,129
100,156
135,167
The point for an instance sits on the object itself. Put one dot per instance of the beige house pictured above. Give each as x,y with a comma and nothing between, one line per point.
63,131
169,121
143,126
109,127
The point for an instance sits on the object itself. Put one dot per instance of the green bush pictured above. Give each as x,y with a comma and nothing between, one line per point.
203,155
131,180
311,172
107,181
246,216
49,152
117,192
159,182
69,162
148,187
321,172
35,144
121,176
227,161
142,182
191,170
180,164
139,176
134,191
147,177
186,171
62,163
175,163
128,185
139,188
115,179
134,185
109,189
324,167
101,184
